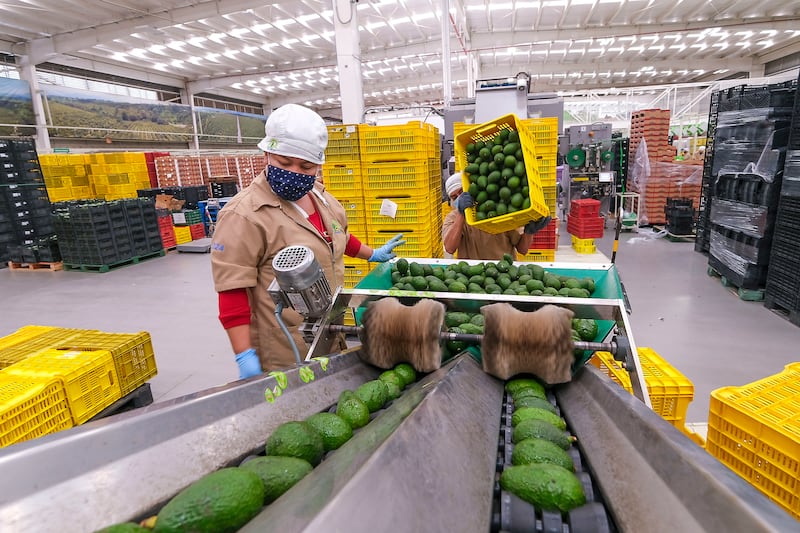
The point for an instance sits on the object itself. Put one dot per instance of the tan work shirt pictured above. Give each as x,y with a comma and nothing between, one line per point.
251,229
477,244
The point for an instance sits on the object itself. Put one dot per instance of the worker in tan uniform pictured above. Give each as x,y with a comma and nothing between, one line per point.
285,205
473,243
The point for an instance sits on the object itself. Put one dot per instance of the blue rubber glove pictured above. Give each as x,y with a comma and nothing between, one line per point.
535,225
464,201
384,253
249,364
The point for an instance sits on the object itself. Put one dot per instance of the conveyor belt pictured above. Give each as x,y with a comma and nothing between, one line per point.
428,462
513,515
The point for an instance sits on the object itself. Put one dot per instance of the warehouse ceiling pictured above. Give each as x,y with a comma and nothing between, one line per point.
285,51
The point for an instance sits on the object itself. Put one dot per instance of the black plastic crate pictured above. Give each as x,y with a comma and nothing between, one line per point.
22,145
754,250
224,189
25,192
753,277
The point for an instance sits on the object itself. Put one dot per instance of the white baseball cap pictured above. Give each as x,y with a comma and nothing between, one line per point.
453,183
296,131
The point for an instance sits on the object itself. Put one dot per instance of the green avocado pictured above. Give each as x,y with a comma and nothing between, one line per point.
531,451
546,486
278,474
222,501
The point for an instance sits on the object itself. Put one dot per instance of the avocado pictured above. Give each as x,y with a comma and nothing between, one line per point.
537,272
588,284
353,411
457,286
471,328
572,283
477,319
393,377
517,384
531,451
527,413
402,266
419,283
586,328
126,527
296,439
393,391
533,401
222,501
540,429
407,372
415,269
333,429
455,346
373,394
546,486
278,474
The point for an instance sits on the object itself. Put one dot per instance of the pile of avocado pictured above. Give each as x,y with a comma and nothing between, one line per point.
496,172
542,471
225,500
501,277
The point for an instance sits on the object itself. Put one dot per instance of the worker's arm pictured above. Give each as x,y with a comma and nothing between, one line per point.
239,337
524,243
451,233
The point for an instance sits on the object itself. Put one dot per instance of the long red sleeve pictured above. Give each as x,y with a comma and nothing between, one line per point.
234,308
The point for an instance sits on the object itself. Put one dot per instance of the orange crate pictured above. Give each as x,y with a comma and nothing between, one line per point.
89,378
133,355
755,430
31,407
487,132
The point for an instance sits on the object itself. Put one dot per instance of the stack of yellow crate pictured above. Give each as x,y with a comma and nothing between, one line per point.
545,134
402,186
66,177
55,378
118,175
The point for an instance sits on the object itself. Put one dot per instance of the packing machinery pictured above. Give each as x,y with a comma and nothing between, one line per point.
428,461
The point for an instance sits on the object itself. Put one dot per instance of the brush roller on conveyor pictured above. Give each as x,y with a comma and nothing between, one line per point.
430,460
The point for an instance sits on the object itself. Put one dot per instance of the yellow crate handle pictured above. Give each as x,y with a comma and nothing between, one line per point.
486,127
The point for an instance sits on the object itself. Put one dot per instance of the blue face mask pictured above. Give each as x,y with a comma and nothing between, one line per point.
289,185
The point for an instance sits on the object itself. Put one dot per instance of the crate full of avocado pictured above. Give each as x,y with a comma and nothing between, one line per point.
499,170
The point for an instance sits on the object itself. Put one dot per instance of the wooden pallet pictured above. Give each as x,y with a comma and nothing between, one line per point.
746,295
36,266
105,268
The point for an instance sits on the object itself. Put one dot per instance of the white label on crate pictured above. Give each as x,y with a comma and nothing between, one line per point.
350,129
388,208
178,218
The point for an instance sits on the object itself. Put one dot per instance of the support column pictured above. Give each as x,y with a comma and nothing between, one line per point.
348,59
28,73
757,70
187,98
447,82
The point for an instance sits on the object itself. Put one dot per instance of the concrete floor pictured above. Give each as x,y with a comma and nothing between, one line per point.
694,322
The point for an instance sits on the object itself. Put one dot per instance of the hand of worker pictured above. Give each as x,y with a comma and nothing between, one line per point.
249,364
534,226
384,253
464,201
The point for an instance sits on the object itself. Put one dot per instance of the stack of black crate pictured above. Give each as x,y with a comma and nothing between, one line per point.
702,241
97,233
26,227
750,149
783,278
190,194
680,216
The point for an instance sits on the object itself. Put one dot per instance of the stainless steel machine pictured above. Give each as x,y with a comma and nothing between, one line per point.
429,461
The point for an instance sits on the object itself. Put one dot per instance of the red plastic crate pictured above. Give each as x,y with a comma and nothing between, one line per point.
198,231
546,238
588,208
585,227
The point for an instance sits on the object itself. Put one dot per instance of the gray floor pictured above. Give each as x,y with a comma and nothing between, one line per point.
694,322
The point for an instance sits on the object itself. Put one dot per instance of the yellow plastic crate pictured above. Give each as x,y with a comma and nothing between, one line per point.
354,271
14,353
30,408
342,177
539,256
23,334
397,178
670,391
418,243
183,234
550,194
343,144
133,355
583,246
89,378
487,132
545,134
547,170
755,430
393,143
412,212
